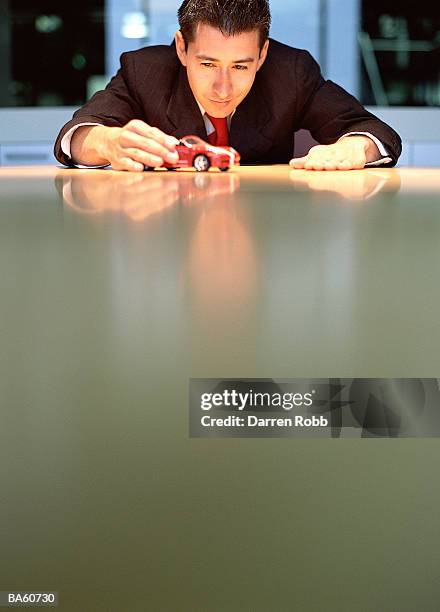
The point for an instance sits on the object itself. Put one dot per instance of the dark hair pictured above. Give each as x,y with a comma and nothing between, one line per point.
229,16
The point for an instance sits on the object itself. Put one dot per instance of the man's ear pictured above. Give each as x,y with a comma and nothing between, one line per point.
180,47
263,54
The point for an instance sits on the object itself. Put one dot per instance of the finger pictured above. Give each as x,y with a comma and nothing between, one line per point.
330,164
344,164
314,164
145,158
130,139
298,162
143,129
168,141
125,163
161,151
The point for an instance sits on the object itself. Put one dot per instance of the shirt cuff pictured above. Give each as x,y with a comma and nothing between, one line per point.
67,139
385,159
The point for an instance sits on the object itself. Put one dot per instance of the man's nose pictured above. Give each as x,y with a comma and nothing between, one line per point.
223,85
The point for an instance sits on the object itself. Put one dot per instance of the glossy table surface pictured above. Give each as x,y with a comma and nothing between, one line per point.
116,288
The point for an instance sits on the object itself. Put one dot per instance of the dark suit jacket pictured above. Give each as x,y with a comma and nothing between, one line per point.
289,93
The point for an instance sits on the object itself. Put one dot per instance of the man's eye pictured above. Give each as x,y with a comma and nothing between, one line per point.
208,64
240,67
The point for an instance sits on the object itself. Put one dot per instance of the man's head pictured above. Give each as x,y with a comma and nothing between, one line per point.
222,43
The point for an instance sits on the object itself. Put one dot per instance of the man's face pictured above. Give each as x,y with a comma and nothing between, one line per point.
221,69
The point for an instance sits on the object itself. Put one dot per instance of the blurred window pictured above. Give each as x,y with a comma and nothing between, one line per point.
400,53
50,50
59,54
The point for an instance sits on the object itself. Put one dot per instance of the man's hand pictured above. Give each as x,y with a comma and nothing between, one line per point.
349,153
131,147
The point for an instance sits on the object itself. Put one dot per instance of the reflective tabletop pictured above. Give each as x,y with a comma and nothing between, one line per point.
118,288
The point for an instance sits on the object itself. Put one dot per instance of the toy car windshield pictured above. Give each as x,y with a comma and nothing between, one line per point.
190,141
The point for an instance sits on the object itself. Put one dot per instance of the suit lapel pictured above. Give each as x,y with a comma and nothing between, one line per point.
249,127
183,111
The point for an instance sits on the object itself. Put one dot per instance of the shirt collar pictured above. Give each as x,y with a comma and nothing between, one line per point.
208,123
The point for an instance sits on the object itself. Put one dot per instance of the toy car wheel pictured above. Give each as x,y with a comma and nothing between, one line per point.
171,169
148,168
201,163
224,169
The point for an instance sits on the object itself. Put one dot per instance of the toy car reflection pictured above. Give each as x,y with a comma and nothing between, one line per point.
193,151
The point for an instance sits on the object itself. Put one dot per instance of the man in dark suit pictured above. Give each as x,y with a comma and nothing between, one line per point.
224,80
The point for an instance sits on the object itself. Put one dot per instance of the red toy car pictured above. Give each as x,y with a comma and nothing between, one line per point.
193,151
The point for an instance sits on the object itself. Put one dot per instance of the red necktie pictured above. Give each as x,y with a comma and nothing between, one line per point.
219,138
